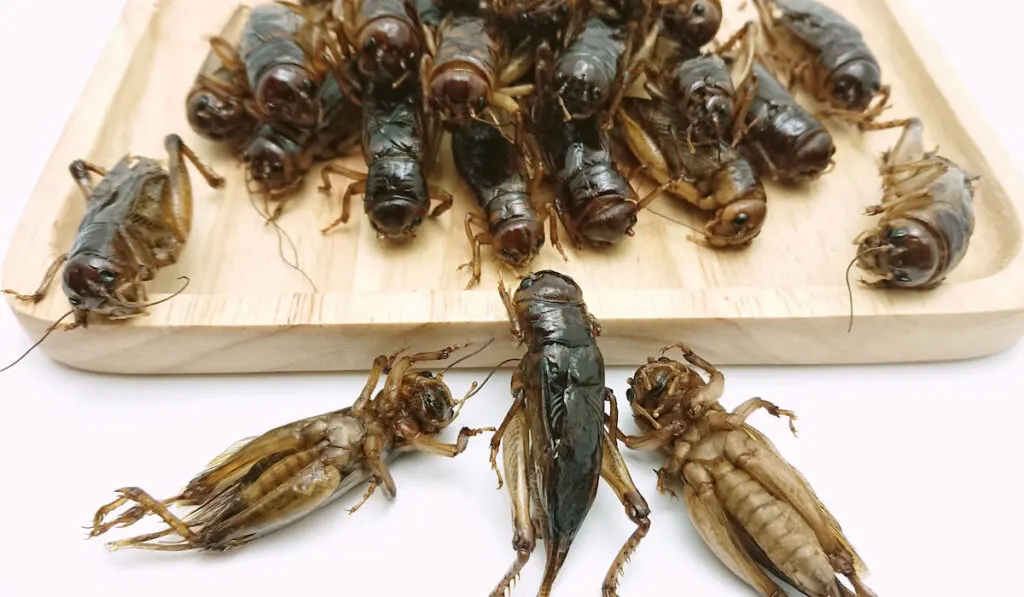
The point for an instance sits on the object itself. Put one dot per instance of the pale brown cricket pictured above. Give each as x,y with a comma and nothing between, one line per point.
262,484
751,507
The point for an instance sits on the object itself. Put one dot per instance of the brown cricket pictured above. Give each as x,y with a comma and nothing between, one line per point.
927,216
714,177
216,103
751,507
137,221
824,53
264,483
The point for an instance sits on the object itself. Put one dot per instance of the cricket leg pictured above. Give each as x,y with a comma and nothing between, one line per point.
380,364
616,474
80,170
516,454
715,387
553,220
51,273
373,446
444,200
739,415
475,241
152,505
143,255
506,300
429,445
355,188
178,210
513,411
366,495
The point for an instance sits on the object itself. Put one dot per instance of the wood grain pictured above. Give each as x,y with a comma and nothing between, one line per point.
783,301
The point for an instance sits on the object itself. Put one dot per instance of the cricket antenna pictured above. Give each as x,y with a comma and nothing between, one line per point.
167,298
46,335
441,373
679,222
282,235
849,287
474,387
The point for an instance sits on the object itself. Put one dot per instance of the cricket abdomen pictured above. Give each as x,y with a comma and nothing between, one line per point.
777,528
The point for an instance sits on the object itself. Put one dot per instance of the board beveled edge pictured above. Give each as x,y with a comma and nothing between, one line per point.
984,314
188,349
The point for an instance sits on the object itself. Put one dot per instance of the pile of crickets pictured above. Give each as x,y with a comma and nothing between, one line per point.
583,94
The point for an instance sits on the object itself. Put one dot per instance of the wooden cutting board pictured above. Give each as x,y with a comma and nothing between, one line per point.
782,301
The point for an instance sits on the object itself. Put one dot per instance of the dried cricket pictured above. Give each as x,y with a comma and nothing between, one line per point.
278,157
493,169
748,504
216,104
782,140
137,220
473,71
927,216
282,53
709,97
589,77
262,484
823,52
714,177
398,144
595,201
556,448
388,37
534,21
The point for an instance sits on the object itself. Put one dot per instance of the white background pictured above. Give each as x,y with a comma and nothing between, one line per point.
919,463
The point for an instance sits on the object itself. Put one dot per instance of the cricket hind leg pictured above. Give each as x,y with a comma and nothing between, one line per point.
48,277
178,206
80,170
176,525
518,469
616,474
128,517
716,529
517,407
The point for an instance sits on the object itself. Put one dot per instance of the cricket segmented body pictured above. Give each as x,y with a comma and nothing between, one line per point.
282,50
216,104
398,147
494,170
752,508
783,141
